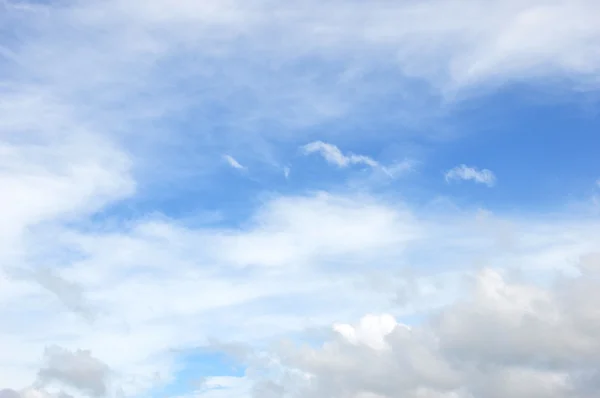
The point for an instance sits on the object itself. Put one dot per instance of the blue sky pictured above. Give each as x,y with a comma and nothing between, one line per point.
254,199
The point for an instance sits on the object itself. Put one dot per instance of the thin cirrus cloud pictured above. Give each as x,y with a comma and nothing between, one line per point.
467,173
231,161
334,156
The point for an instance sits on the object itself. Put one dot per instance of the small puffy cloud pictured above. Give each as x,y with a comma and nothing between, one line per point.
466,173
231,161
333,155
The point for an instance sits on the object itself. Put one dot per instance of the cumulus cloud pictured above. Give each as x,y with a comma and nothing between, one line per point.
78,371
466,173
504,339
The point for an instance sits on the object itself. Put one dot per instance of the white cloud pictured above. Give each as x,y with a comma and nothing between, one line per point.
464,172
477,47
82,92
333,155
188,284
79,370
399,168
506,338
76,372
185,278
223,387
371,331
233,162
287,226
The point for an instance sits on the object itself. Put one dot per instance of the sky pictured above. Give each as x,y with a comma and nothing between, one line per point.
299,199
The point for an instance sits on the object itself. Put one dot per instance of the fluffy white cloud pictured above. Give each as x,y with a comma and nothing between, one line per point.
464,172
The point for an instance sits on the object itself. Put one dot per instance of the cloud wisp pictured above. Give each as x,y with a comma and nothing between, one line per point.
231,161
467,173
333,155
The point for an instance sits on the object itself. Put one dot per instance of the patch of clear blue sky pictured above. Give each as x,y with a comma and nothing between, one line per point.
196,365
524,141
544,154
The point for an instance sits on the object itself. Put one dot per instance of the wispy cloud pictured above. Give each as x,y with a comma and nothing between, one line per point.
464,172
399,168
333,155
233,162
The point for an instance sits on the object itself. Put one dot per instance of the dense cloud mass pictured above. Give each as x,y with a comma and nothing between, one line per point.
506,339
78,369
63,371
